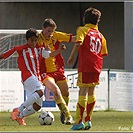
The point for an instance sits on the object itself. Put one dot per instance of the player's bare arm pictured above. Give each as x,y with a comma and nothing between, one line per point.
59,50
71,57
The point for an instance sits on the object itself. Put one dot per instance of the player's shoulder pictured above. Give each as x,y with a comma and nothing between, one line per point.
80,29
57,33
18,47
21,47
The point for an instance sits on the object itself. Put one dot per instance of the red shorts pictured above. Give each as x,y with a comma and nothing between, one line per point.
87,79
57,76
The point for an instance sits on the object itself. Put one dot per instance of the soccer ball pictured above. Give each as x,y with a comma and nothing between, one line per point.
46,118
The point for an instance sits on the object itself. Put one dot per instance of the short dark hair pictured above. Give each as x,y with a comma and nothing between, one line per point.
92,15
31,32
49,22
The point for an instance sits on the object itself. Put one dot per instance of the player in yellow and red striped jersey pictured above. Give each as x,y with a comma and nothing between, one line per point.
91,47
52,69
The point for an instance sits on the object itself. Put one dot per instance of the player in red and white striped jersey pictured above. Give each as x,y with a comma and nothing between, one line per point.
28,63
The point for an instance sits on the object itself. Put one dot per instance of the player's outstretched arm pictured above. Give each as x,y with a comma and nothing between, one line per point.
59,50
47,53
74,50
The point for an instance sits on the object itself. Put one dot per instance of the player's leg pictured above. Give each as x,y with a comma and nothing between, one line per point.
61,81
31,99
81,104
63,86
31,109
82,82
89,107
28,111
34,91
93,81
51,85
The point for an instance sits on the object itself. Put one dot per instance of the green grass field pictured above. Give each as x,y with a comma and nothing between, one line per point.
102,121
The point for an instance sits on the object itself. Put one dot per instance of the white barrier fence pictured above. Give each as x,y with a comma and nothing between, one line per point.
121,90
114,92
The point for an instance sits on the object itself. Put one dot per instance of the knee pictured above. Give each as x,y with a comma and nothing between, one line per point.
40,92
36,106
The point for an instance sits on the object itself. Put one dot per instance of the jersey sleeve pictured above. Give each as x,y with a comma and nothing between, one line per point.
79,35
104,51
45,53
61,36
9,53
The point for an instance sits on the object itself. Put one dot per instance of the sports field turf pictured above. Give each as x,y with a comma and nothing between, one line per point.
102,121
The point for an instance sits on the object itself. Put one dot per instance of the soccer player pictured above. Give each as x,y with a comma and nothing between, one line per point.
28,63
91,47
52,69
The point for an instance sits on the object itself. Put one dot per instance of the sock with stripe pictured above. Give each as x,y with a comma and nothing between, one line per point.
62,106
80,108
66,99
90,106
28,111
33,98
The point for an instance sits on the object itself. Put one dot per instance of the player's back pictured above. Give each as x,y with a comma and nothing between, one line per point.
90,57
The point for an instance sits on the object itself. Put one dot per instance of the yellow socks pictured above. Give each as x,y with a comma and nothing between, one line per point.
90,106
62,106
66,99
80,108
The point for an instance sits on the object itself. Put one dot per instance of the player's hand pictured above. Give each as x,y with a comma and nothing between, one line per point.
62,47
70,61
47,48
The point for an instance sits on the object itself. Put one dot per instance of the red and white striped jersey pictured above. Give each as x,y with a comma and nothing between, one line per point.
28,59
